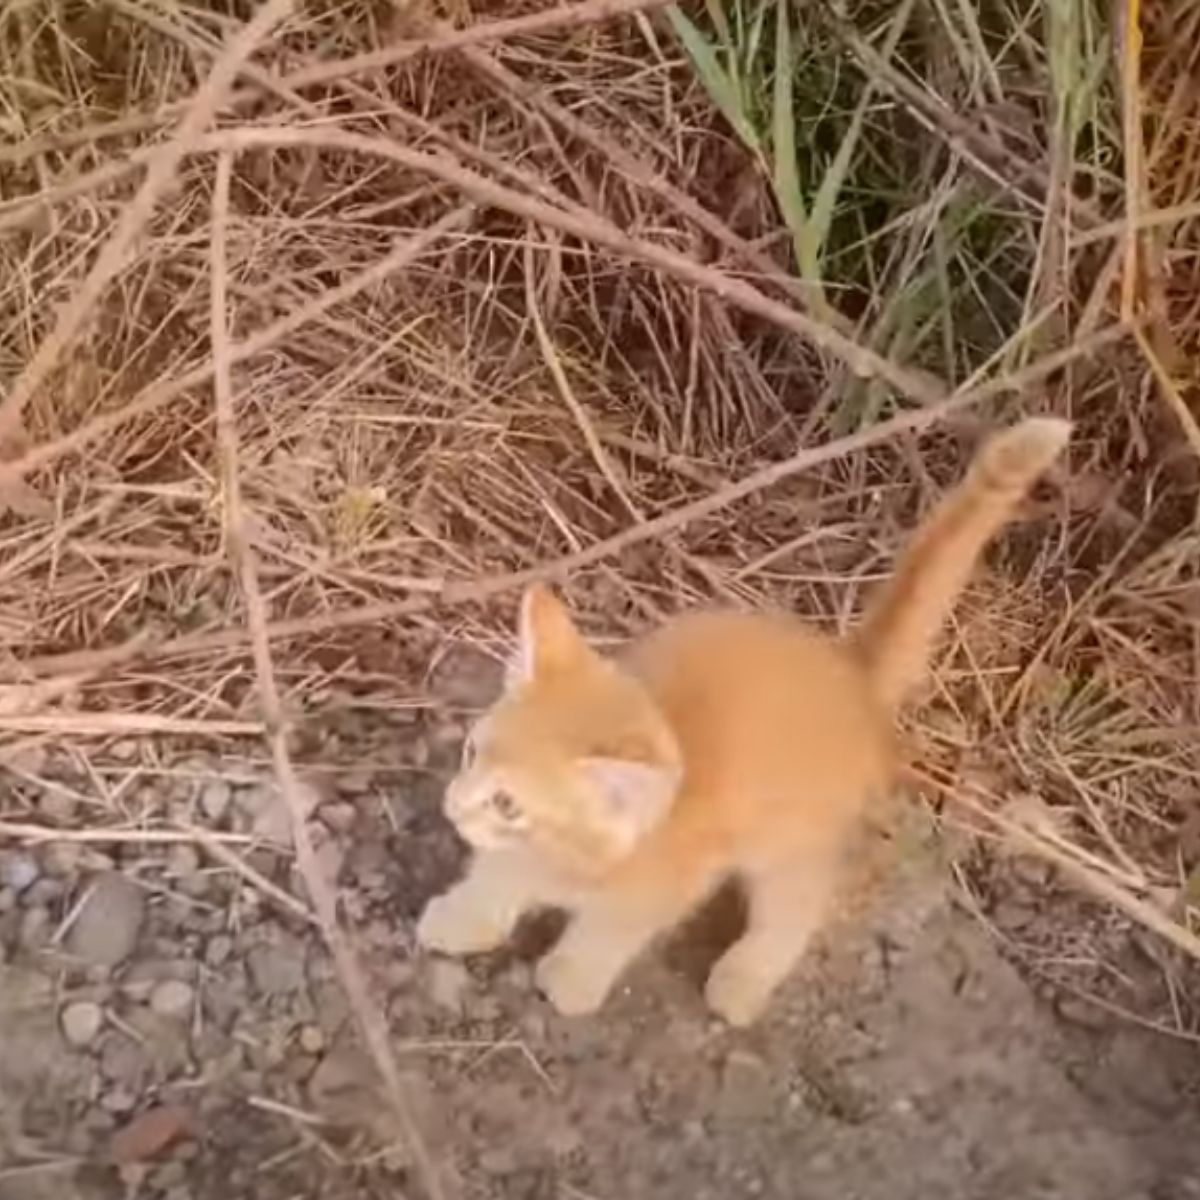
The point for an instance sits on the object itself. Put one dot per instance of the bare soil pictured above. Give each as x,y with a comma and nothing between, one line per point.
907,1059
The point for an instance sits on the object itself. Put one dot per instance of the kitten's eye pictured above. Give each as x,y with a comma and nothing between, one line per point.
505,806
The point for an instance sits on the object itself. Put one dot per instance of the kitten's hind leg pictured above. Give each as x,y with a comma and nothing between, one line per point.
788,901
479,912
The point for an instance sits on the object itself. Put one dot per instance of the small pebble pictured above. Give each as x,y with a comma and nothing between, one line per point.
125,750
35,928
58,807
108,922
448,982
218,950
311,1039
183,860
81,1022
172,998
63,858
45,892
18,870
214,800
338,817
118,1102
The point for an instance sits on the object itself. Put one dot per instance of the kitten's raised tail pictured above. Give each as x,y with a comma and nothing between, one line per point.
901,624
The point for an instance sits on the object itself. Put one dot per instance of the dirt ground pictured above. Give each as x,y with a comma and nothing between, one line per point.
908,1059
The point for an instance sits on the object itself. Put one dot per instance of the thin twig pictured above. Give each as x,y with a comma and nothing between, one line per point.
25,831
554,365
1085,876
221,851
122,724
242,555
1170,392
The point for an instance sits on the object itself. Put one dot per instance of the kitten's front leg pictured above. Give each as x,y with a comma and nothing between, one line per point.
480,911
598,945
609,931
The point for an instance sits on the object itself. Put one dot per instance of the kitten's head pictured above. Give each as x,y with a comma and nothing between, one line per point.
574,760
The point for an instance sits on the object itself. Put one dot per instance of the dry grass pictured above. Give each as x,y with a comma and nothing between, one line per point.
522,305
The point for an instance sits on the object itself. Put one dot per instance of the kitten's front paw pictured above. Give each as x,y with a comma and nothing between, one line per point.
569,985
736,995
450,924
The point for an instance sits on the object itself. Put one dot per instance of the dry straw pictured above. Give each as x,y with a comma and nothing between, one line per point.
510,302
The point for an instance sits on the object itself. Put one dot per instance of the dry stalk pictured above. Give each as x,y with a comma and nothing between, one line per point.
1100,885
1169,391
637,171
554,365
124,724
243,559
24,831
590,227
160,171
487,587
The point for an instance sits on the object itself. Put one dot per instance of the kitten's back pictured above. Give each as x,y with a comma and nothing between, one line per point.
774,720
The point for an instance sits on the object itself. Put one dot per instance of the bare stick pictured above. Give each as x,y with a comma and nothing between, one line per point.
242,556
235,862
1170,392
124,724
159,173
1086,877
28,832
469,591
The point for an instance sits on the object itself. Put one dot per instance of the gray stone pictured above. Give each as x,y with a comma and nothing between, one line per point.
34,932
173,998
124,1062
18,870
106,928
214,800
338,817
81,1023
277,968
218,950
44,892
448,983
63,858
183,860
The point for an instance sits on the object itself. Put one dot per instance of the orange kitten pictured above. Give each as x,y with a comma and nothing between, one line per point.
723,744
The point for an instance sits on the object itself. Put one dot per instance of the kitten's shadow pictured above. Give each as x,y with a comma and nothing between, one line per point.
696,944
690,950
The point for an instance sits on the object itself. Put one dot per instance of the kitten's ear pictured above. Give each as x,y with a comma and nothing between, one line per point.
635,796
547,639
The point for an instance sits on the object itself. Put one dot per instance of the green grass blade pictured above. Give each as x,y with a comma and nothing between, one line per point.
716,81
825,201
788,192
